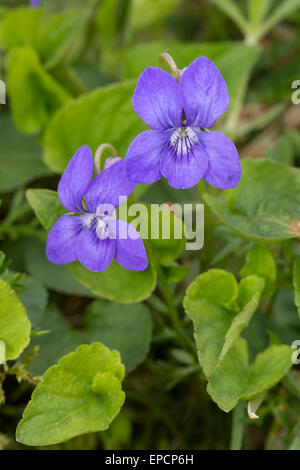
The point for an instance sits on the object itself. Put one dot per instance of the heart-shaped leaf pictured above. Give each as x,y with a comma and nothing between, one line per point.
20,157
116,283
296,282
46,206
81,394
260,262
126,328
34,297
234,379
52,35
14,324
266,203
104,115
212,302
52,276
34,94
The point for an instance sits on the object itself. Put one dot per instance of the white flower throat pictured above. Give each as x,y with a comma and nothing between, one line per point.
183,139
99,223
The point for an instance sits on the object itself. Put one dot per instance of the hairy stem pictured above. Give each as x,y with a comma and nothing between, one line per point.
99,153
208,230
237,427
174,315
164,56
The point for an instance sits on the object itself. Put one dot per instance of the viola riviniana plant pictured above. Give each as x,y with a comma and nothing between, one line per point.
178,147
92,234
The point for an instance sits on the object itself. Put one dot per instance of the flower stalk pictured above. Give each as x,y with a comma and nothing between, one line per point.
165,57
208,229
98,155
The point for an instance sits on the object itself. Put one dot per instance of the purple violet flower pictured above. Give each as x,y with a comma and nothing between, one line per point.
95,237
35,3
176,148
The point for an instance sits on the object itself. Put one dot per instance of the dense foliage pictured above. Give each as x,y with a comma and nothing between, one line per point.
198,350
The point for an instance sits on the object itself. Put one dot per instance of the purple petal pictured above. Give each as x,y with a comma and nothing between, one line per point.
203,93
75,179
224,168
111,161
61,242
130,252
93,253
35,3
107,187
184,170
156,99
143,156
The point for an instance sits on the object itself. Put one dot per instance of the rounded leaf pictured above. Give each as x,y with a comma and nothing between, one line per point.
266,203
81,394
14,324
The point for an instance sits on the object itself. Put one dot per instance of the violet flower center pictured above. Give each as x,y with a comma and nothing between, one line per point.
99,223
183,139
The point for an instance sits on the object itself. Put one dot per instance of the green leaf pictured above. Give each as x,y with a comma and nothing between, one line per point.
283,10
144,14
283,151
228,57
216,286
295,444
119,435
81,394
262,206
68,4
34,94
20,157
175,272
159,226
296,282
166,246
234,379
54,277
104,115
103,321
284,322
258,10
211,302
14,324
46,206
60,340
106,322
69,78
230,9
34,297
250,290
2,353
260,261
51,35
116,283
107,22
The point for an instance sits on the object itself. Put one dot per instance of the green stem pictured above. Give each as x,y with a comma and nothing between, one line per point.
156,409
174,315
208,249
183,339
237,427
98,155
